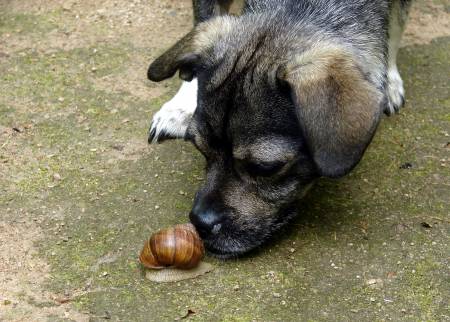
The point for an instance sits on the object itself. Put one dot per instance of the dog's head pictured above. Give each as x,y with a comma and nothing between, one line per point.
269,120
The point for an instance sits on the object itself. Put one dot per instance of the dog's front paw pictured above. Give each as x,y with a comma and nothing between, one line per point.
172,120
395,93
169,123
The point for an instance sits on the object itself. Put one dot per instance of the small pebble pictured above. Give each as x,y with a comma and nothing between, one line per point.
236,288
375,283
276,295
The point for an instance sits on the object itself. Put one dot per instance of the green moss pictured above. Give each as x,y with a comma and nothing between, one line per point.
366,210
424,290
59,80
25,23
67,110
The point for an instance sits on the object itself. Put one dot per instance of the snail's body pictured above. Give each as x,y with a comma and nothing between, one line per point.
171,274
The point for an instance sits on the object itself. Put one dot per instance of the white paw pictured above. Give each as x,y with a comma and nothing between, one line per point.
395,92
172,120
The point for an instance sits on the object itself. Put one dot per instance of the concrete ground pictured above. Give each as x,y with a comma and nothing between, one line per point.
80,189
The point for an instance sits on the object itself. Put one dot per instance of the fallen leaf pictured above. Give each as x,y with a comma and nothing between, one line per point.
424,224
391,274
63,300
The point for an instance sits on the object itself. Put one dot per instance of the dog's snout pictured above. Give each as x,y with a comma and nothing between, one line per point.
206,219
208,222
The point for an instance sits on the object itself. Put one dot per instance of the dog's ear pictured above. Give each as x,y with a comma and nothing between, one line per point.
182,56
337,107
187,54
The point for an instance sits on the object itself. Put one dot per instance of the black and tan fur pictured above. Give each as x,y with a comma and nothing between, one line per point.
288,91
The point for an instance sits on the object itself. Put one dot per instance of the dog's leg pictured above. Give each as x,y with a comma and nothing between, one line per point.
172,120
395,89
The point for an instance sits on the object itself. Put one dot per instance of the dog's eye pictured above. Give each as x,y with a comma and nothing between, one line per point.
263,169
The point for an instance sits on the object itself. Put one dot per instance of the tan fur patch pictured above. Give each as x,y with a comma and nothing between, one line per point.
233,7
330,70
338,108
266,149
209,32
314,64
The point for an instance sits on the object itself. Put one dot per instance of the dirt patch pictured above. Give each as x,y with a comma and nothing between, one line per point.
85,23
427,21
14,156
133,80
22,276
130,150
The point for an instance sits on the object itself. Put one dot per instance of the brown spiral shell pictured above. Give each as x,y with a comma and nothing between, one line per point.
179,246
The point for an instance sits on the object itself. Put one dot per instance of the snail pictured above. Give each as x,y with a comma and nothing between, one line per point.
178,246
174,254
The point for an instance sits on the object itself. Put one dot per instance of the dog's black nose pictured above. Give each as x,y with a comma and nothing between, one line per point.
206,221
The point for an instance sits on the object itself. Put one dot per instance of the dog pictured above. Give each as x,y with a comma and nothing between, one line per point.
281,94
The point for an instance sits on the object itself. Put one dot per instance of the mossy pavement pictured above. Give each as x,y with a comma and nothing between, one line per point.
372,246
